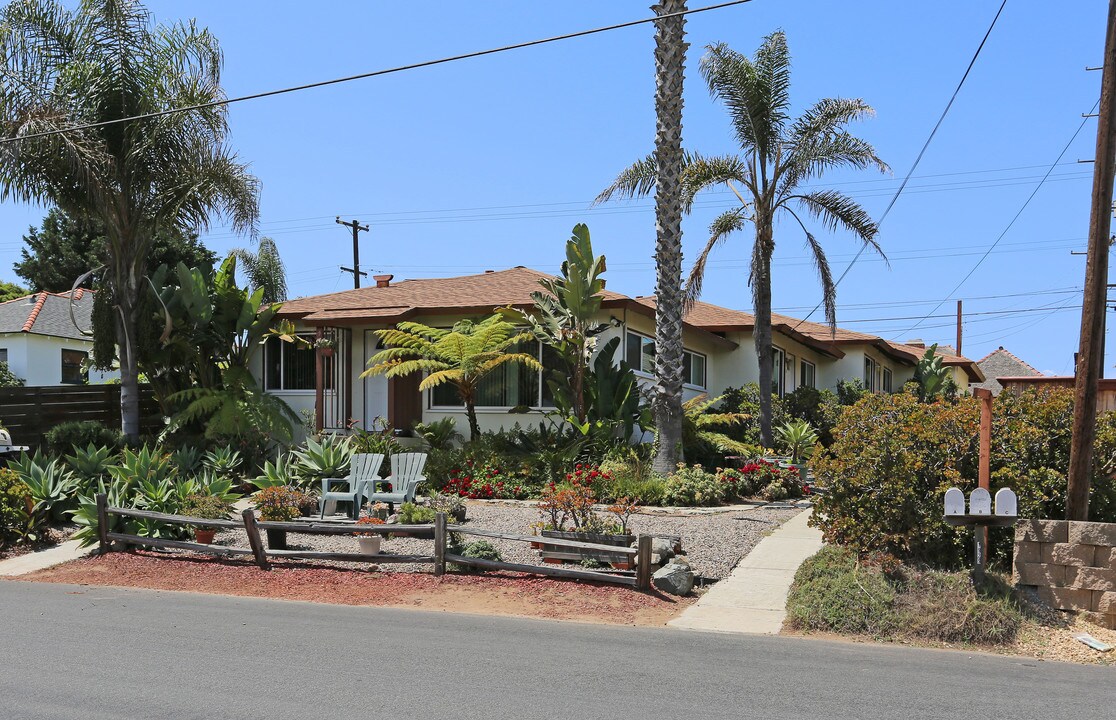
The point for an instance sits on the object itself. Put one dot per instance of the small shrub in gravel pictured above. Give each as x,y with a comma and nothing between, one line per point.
15,508
481,550
411,514
692,485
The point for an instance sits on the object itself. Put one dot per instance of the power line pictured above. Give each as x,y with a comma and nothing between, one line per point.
375,73
1023,207
921,152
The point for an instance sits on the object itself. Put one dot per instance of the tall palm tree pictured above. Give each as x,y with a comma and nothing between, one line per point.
778,155
666,401
63,71
462,356
265,269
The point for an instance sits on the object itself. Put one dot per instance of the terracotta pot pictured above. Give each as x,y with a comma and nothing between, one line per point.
326,351
204,535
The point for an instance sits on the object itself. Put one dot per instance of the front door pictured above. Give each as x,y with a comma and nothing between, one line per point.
375,388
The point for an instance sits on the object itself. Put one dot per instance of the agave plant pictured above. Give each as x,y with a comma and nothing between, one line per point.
92,463
85,515
223,461
797,439
52,486
208,483
281,473
326,459
187,459
143,465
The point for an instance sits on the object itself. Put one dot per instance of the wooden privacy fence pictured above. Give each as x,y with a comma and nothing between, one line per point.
641,579
29,412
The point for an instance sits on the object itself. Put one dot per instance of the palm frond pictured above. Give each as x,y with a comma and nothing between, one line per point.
825,274
837,210
726,223
635,181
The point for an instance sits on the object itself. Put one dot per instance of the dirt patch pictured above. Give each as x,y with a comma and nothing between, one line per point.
490,594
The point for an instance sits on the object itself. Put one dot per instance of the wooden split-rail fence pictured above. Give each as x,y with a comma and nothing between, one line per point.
641,579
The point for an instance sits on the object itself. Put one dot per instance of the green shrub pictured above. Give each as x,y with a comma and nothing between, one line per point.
9,378
481,550
64,437
15,509
692,485
282,504
412,514
206,507
832,593
631,478
893,458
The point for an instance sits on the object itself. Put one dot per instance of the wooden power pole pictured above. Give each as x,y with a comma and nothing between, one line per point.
1089,356
355,269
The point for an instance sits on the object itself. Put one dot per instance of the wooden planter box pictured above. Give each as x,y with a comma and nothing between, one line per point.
558,554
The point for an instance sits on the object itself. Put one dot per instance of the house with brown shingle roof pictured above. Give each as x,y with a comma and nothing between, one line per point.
719,351
41,343
1001,363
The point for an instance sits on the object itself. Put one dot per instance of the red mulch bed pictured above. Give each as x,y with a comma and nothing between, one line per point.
489,593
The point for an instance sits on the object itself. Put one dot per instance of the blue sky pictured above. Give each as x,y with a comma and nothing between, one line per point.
488,163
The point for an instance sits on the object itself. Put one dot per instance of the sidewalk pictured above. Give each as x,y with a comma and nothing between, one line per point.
23,564
753,598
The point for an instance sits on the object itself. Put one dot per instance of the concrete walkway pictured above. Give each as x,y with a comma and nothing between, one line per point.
753,598
23,564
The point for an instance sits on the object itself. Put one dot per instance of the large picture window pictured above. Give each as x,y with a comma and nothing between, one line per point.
73,367
292,366
509,385
639,353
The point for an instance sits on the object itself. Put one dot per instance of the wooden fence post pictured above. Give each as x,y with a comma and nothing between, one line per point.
643,563
439,544
254,540
102,522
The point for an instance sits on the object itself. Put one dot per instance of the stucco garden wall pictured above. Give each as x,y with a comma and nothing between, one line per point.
1071,565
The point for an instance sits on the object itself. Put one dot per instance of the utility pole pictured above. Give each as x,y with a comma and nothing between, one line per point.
1089,358
958,327
355,269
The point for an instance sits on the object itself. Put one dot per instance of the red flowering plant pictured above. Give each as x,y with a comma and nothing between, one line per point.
568,506
486,481
366,519
760,478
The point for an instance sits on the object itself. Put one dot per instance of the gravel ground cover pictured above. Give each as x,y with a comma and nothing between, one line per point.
713,541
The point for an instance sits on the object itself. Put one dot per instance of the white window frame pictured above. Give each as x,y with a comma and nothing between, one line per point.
686,382
888,380
804,363
778,366
873,368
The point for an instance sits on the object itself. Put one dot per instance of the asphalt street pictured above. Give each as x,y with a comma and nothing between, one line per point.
91,653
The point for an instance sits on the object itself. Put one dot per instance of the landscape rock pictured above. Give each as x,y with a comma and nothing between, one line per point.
675,578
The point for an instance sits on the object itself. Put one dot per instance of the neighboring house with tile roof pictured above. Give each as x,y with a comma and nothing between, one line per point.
41,343
1001,363
718,344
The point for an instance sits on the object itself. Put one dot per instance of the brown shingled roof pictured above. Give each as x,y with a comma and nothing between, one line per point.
480,293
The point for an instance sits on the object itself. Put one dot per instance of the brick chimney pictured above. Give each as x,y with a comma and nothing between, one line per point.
383,280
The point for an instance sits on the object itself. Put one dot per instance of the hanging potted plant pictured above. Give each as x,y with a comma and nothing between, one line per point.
369,541
281,504
205,507
325,346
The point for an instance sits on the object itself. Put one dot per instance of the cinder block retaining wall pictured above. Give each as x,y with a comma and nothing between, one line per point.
1071,565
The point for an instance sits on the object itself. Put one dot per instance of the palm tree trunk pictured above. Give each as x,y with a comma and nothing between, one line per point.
670,57
129,371
761,294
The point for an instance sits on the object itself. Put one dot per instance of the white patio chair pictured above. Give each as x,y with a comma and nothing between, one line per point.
406,476
364,468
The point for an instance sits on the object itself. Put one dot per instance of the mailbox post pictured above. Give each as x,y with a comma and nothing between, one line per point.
980,517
